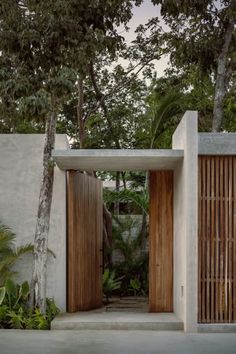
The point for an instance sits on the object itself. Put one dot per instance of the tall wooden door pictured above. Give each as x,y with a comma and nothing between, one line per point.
161,242
84,242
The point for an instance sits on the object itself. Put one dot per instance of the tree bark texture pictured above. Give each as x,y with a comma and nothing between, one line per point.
80,112
38,283
222,77
107,236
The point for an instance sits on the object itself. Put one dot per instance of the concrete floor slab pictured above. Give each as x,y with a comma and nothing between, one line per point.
97,320
115,342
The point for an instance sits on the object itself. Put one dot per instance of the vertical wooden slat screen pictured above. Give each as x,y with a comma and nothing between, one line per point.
84,242
217,239
161,242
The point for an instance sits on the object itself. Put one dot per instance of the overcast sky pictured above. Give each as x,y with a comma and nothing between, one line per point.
141,15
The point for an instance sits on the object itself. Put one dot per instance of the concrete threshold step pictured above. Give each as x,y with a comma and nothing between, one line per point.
93,320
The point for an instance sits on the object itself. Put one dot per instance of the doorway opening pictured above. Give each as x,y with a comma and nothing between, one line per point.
125,241
138,268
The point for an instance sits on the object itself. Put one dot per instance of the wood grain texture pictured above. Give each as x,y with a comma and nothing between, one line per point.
217,239
161,242
84,242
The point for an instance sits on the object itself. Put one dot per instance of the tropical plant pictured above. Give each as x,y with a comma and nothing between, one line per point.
15,311
110,283
9,254
139,198
135,268
135,285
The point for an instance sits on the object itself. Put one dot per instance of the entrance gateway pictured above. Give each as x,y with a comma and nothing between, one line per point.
85,228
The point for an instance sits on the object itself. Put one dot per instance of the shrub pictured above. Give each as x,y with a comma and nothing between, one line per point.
9,254
110,283
15,311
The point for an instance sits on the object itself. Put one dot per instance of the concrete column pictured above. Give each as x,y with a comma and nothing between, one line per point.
185,222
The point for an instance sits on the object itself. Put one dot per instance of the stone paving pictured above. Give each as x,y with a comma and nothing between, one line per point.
114,342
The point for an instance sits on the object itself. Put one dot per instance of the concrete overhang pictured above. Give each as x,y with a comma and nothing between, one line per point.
117,160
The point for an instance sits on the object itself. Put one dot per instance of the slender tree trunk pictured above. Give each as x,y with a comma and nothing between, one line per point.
221,78
107,235
117,204
143,232
38,283
80,112
123,179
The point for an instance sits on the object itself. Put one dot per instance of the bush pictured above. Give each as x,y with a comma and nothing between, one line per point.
134,275
15,311
9,254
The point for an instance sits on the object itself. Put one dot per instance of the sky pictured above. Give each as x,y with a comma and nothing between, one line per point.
141,15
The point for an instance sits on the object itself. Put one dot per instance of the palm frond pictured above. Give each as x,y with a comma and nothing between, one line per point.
138,198
7,238
163,110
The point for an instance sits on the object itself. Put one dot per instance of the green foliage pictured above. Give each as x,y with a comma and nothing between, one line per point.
15,311
8,253
163,109
2,294
135,285
138,198
134,265
110,283
134,274
45,47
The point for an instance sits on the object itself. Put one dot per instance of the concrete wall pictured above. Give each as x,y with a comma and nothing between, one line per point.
20,177
185,222
217,144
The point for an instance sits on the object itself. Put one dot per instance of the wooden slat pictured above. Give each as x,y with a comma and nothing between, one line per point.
208,179
161,242
230,236
204,242
217,171
217,239
84,214
221,217
199,241
234,239
212,241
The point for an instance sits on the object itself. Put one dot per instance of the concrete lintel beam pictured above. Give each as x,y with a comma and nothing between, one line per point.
117,160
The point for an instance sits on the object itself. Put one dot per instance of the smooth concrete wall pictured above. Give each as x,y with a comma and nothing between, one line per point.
20,177
185,222
217,144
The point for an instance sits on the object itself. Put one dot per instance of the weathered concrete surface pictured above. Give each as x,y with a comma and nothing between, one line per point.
217,328
117,160
115,342
99,320
20,177
217,143
185,222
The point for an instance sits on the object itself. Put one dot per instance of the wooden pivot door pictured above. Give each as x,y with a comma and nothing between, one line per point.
84,242
161,242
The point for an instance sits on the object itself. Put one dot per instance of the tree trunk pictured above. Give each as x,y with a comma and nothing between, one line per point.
117,203
107,236
38,283
143,232
221,78
80,112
